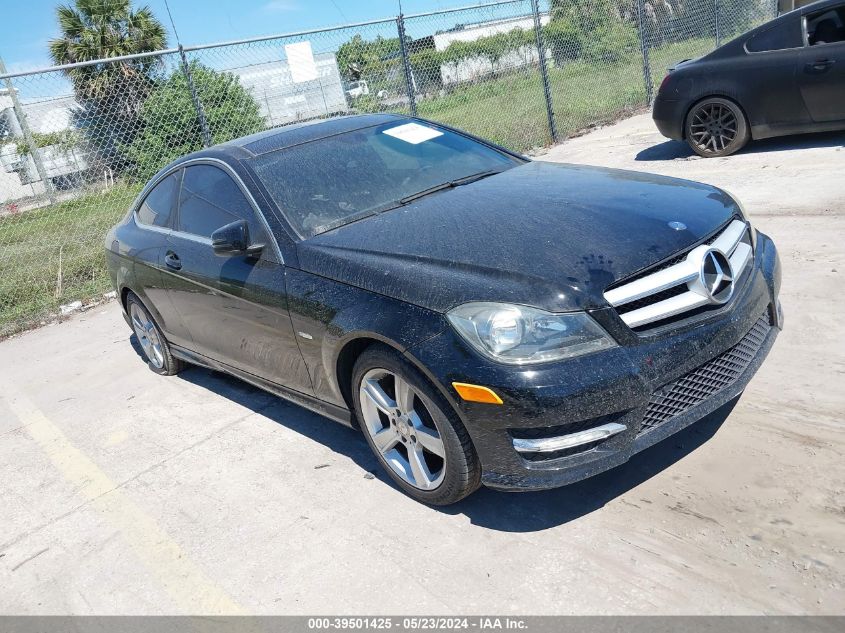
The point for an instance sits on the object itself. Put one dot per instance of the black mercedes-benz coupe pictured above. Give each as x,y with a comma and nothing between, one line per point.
784,77
482,318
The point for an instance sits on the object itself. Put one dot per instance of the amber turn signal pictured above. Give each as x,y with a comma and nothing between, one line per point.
476,393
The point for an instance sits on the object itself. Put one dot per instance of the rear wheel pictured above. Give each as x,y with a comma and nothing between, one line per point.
154,346
412,430
716,127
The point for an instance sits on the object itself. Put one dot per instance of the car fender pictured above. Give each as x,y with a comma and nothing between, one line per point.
329,316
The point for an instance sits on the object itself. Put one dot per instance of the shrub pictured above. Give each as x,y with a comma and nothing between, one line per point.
171,125
611,43
563,39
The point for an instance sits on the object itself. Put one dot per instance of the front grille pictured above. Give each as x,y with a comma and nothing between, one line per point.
651,299
705,381
676,289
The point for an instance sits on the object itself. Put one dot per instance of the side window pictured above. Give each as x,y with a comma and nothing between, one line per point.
157,207
210,199
781,36
826,27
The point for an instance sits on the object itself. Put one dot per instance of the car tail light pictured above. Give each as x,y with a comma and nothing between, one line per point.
664,82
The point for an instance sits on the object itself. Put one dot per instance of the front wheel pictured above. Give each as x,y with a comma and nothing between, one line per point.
414,433
716,127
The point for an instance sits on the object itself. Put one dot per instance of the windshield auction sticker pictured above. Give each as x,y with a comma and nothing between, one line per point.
413,133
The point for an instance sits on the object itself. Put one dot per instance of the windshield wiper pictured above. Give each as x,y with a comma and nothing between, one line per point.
449,185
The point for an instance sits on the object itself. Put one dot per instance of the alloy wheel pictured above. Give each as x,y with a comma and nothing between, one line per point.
147,335
713,127
402,429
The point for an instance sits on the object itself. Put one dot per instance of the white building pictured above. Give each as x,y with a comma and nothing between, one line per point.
475,68
19,176
284,100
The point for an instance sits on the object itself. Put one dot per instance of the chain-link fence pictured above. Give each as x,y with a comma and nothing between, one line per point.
78,142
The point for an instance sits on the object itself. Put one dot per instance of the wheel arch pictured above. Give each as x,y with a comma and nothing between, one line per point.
125,289
348,355
353,348
124,296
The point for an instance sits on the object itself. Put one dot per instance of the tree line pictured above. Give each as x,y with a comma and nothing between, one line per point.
136,115
596,31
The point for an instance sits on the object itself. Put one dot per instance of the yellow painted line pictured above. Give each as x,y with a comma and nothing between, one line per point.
186,583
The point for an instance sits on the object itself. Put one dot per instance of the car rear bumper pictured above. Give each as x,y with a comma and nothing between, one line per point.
633,386
669,117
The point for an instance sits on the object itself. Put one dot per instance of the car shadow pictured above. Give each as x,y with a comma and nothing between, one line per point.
339,438
674,150
496,510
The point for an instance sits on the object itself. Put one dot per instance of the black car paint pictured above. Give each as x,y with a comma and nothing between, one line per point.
292,320
618,381
780,92
587,228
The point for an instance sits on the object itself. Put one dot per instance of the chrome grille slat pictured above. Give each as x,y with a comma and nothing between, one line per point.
687,271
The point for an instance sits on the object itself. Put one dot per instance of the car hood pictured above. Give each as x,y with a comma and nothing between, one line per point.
543,234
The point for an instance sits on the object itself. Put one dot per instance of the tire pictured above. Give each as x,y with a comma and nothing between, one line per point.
414,427
154,346
716,127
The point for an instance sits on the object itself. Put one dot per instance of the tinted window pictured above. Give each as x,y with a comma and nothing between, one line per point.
211,199
332,181
158,205
781,36
826,27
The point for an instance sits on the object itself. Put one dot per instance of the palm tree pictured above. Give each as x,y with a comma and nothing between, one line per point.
100,29
110,93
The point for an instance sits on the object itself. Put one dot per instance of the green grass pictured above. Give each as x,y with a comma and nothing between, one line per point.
36,244
54,255
511,110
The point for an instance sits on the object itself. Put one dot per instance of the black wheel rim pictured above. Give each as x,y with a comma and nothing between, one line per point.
713,127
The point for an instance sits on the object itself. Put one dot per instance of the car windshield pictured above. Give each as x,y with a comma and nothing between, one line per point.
324,184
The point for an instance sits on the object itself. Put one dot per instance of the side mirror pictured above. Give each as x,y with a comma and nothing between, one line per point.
233,239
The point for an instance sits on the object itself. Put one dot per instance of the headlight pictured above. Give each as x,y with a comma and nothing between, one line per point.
519,334
743,213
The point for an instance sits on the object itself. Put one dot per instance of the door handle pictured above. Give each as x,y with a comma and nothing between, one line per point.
172,260
820,65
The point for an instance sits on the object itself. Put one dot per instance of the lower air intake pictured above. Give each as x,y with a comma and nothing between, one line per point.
705,381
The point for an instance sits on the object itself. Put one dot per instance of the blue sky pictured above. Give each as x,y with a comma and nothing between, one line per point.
27,25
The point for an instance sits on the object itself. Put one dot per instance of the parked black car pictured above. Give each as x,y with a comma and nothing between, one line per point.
482,317
784,77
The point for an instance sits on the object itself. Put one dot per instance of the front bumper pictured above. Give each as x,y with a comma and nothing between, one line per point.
610,387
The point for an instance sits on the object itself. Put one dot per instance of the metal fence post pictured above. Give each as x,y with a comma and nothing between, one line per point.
544,71
406,63
20,115
206,133
716,23
649,85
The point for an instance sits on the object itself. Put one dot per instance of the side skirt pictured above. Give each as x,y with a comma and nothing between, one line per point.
788,129
333,412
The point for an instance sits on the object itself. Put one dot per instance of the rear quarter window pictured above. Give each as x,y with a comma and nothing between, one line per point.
782,36
157,207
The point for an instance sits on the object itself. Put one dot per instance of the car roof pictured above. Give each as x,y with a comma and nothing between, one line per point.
298,133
